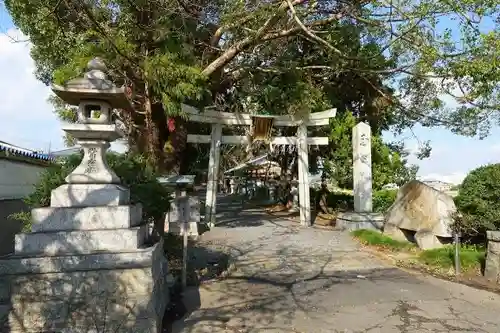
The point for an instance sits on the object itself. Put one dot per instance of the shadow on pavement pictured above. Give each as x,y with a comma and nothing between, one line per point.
272,299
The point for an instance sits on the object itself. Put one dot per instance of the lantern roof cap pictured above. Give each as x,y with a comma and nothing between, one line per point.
94,85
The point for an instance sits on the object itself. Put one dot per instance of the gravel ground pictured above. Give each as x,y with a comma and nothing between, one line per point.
292,279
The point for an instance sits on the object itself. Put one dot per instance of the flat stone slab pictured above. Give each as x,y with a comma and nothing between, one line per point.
89,195
82,241
353,221
85,218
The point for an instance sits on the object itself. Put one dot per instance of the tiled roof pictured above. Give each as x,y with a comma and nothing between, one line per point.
17,151
66,152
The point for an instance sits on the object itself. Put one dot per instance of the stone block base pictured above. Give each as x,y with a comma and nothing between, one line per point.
89,195
353,221
48,219
81,241
78,297
492,264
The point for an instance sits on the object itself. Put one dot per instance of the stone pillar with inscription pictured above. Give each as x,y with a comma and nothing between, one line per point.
362,168
362,217
88,265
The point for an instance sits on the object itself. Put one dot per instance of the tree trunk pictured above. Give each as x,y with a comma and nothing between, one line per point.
152,134
175,159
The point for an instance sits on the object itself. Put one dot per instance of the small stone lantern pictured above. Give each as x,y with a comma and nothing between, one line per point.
96,98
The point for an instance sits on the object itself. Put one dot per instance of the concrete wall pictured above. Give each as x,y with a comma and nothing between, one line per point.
17,178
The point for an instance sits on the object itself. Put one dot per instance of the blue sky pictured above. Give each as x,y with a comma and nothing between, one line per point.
28,121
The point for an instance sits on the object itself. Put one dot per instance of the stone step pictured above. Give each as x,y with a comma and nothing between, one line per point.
89,195
49,219
82,241
35,264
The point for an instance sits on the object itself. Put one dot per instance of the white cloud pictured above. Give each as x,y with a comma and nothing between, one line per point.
27,117
453,178
495,148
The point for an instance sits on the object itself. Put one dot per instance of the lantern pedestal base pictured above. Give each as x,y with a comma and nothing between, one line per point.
93,169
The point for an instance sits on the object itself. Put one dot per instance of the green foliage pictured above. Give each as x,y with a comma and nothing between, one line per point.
471,257
477,201
375,238
383,199
340,201
133,172
173,81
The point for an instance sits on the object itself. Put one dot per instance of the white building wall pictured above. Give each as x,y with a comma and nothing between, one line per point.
17,179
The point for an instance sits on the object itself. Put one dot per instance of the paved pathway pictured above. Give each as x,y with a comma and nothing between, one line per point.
290,279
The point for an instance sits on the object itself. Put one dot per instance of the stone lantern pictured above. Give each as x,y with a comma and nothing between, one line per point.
87,265
96,97
92,183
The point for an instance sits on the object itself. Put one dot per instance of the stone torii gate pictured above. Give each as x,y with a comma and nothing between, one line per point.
301,141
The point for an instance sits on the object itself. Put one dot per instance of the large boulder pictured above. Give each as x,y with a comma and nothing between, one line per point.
421,209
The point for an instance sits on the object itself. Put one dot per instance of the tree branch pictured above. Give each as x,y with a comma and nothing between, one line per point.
235,49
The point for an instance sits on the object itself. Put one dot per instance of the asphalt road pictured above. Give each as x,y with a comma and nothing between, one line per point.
290,279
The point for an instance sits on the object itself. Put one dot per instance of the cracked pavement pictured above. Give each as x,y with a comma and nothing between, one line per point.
293,279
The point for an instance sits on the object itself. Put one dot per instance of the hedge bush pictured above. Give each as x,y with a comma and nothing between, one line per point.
478,201
383,199
133,172
340,201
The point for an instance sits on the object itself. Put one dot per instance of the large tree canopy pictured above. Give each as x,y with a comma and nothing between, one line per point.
387,62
